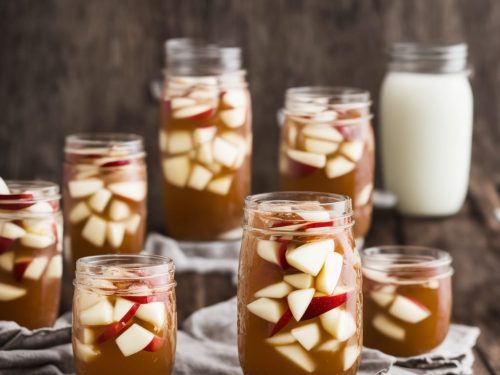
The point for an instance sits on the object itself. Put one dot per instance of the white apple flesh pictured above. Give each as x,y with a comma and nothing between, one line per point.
308,335
79,213
307,158
329,275
298,302
310,257
176,170
153,312
220,185
118,210
278,290
134,339
200,177
84,188
299,356
99,200
100,314
388,328
408,310
300,280
267,309
179,141
10,292
338,166
94,231
133,190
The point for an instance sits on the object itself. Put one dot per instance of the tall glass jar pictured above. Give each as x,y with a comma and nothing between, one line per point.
205,141
30,252
407,298
426,107
124,315
105,188
327,145
299,291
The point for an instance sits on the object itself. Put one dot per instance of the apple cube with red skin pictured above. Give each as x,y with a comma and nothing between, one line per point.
134,339
17,201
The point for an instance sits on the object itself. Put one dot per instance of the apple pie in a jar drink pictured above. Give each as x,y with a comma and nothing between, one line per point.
299,293
407,298
205,141
327,145
30,252
105,190
124,315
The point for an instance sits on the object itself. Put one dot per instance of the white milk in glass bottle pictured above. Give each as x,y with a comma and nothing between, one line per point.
426,108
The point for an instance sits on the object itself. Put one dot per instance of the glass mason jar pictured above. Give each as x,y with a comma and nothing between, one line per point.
327,145
205,141
407,298
426,107
299,290
124,315
30,252
105,188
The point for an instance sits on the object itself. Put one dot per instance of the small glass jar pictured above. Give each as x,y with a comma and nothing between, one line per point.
124,315
426,115
327,144
30,252
299,290
105,188
407,298
205,141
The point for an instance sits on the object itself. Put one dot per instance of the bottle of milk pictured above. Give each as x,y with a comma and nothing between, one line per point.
426,109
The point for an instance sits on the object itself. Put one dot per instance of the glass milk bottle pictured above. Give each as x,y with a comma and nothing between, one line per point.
426,107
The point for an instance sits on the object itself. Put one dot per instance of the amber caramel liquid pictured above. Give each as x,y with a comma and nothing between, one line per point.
257,357
420,337
194,215
350,184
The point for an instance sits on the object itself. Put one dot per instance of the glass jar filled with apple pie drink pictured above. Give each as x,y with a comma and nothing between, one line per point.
299,291
407,298
105,190
124,315
327,144
30,252
205,141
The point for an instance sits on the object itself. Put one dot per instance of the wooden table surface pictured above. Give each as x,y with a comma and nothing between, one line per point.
473,239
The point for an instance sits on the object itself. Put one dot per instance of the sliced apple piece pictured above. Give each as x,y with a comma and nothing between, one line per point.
11,231
40,208
4,189
408,310
194,112
234,98
153,312
281,339
79,213
364,195
220,185
37,241
55,267
94,230
100,314
179,141
298,355
322,131
10,292
388,328
267,309
321,304
200,177
351,354
99,200
339,323
133,340
204,134
314,215
84,188
329,275
299,280
299,300
85,352
115,232
382,297
181,102
118,210
278,290
204,153
269,250
132,224
224,152
133,190
7,261
233,118
325,116
307,158
353,150
310,257
338,166
308,335
176,170
86,299
29,268
124,310
319,146
331,345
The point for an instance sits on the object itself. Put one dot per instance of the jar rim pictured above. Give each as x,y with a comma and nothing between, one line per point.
30,191
333,95
104,142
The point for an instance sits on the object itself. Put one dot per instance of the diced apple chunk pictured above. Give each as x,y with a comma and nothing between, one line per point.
132,224
300,280
353,150
338,166
299,356
269,250
307,335
351,354
11,231
364,195
204,134
233,118
319,146
86,299
193,112
281,339
382,297
278,290
99,200
330,273
299,300
314,215
307,158
200,177
4,189
84,188
85,352
94,231
388,328
35,269
55,267
408,310
99,314
220,185
179,141
323,132
7,261
134,339
224,152
37,241
204,153
79,213
180,102
331,345
235,98
153,312
123,308
118,210
115,232
10,292
339,323
133,190
310,257
267,309
176,170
